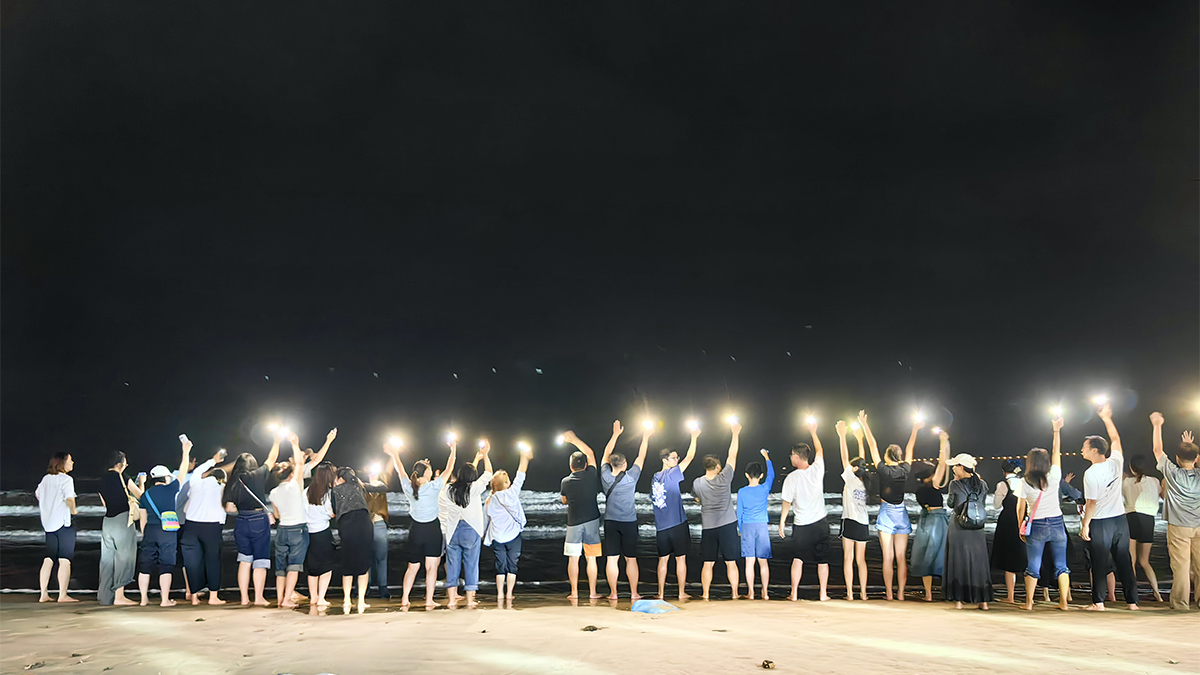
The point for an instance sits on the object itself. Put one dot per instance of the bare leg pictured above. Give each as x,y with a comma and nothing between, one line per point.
164,587
323,585
681,576
64,580
848,566
244,581
889,555
612,573
750,563
928,582
731,571
1010,585
512,583
314,590
1030,592
860,553
144,588
662,575
280,584
573,575
1112,587
901,541
471,604
431,567
501,582
706,574
1064,591
1143,550
632,573
410,578
765,574
346,582
823,579
289,587
260,586
362,591
797,570
44,579
592,572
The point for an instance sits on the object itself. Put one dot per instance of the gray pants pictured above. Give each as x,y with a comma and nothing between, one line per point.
118,556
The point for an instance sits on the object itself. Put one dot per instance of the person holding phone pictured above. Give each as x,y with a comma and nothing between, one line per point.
246,495
200,534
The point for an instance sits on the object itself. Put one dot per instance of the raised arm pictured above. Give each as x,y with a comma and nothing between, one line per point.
691,453
840,428
134,488
394,452
912,440
319,456
731,459
297,462
1114,439
450,462
858,436
940,474
1156,421
817,449
612,442
487,457
862,420
273,455
526,455
1056,452
586,449
641,457
186,444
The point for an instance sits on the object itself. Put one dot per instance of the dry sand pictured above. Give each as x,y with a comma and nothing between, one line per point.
544,635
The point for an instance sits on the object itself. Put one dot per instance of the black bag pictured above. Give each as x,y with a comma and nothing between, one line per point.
971,515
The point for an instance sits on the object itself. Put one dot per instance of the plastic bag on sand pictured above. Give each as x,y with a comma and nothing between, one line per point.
653,607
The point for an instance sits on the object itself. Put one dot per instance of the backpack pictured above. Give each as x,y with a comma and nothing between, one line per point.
971,514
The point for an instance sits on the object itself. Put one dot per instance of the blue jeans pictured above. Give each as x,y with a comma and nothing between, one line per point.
291,546
507,555
462,554
379,568
1045,531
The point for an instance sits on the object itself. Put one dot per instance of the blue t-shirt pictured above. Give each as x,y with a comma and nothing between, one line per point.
164,499
664,496
752,500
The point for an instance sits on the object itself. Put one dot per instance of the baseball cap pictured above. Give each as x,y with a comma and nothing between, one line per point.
160,471
963,459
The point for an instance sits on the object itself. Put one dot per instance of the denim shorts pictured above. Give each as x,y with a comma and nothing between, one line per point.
291,547
756,540
893,519
252,534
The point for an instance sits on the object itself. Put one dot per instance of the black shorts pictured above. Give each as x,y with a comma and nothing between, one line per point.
720,541
60,544
1141,527
319,558
855,531
159,550
620,538
810,543
424,541
674,540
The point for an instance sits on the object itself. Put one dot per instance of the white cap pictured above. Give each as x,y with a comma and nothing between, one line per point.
962,458
160,471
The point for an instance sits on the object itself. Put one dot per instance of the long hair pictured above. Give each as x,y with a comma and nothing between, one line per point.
322,483
1037,468
418,471
892,454
114,458
1137,466
57,462
244,464
1013,466
347,474
460,489
500,481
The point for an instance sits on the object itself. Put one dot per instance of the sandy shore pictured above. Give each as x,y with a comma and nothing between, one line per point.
544,635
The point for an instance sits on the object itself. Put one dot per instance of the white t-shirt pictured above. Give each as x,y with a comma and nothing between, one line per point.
206,503
52,495
1141,496
288,498
804,489
318,515
1049,506
854,497
449,513
1102,483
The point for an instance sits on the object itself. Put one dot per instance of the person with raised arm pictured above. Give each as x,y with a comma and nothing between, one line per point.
1104,526
855,529
1008,551
718,517
506,520
349,502
425,540
56,504
313,459
579,491
318,509
672,537
291,535
968,574
460,507
200,536
1038,497
159,526
804,488
1181,484
619,481
246,495
118,532
754,524
1140,491
893,523
929,542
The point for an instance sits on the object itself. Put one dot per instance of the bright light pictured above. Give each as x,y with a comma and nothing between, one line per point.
1100,399
647,424
855,426
562,439
375,469
273,426
937,431
810,421
692,425
523,446
395,442
482,442
1056,411
732,419
451,437
919,416
285,432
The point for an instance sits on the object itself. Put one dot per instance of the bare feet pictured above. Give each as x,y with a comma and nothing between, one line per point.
573,596
684,596
472,604
613,596
635,596
144,602
738,597
1095,607
432,605
928,598
214,600
288,605
983,606
322,602
704,598
1028,607
167,603
262,603
124,602
958,605
1132,607
595,596
900,596
825,598
195,600
792,597
362,606
67,598
44,598
1007,601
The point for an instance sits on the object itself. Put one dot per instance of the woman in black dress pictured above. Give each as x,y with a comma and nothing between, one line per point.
356,531
968,575
1008,551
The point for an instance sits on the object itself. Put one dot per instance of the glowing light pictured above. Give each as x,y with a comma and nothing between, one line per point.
1056,411
937,431
451,437
1100,399
855,426
523,446
273,426
285,432
810,421
647,424
395,442
692,425
919,416
732,419
560,440
375,469
482,443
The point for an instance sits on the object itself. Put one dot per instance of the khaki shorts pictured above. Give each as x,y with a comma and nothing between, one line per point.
583,539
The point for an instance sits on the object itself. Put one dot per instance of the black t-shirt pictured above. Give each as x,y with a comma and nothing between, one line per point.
930,497
580,489
256,481
891,482
113,492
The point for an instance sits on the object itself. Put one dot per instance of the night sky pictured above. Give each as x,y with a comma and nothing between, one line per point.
978,209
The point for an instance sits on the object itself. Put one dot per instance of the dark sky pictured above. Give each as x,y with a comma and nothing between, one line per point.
978,208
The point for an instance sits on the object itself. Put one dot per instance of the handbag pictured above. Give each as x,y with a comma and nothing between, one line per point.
135,507
1027,523
168,519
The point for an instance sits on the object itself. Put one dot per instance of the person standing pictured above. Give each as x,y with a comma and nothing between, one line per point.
1008,551
160,526
854,531
579,491
377,506
460,507
425,540
619,482
318,508
506,520
291,535
200,536
118,534
968,575
1181,480
718,517
56,504
1105,528
929,542
1038,497
754,523
672,537
805,488
1140,493
893,523
246,495
349,501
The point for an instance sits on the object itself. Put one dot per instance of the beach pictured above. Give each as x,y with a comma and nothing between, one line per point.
544,633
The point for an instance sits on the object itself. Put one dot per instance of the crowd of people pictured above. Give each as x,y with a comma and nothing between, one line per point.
464,507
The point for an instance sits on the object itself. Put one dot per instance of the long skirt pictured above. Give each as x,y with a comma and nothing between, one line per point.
358,542
1008,551
968,576
929,544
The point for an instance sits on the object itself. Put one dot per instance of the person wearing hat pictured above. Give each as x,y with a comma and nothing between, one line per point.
968,573
159,545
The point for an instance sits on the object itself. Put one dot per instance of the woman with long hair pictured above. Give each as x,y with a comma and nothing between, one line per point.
118,534
460,508
200,536
425,541
893,523
349,501
1038,497
968,576
291,536
56,505
1140,490
1008,552
246,495
855,522
506,520
929,543
318,560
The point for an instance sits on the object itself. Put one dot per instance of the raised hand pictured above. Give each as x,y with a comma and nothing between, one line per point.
331,435
569,437
294,440
1156,419
918,424
1070,477
862,417
840,427
858,433
1187,437
736,428
1105,412
765,454
617,428
485,447
525,451
696,431
186,443
943,436
1057,423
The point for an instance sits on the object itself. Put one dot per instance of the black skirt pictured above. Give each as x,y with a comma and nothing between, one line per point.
968,577
1008,551
319,558
358,542
1141,527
